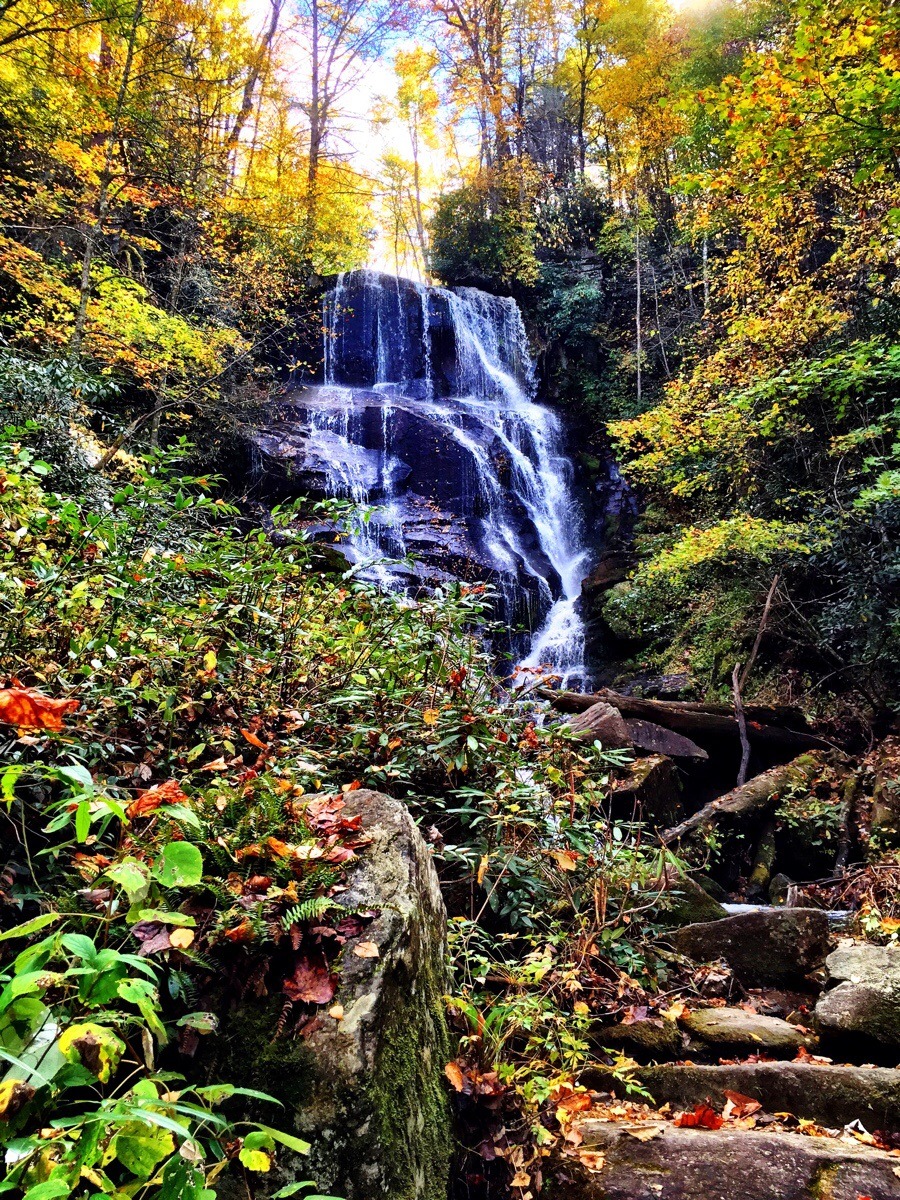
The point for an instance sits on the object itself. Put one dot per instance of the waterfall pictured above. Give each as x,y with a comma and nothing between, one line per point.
428,414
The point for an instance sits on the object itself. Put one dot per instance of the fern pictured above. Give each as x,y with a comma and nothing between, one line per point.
310,910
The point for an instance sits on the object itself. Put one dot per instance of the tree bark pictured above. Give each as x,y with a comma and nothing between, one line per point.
752,799
765,725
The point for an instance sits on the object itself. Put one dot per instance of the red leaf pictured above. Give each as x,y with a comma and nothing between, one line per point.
30,709
311,981
161,793
703,1117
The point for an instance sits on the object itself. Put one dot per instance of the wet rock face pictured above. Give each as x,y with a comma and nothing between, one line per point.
368,1091
767,947
864,1002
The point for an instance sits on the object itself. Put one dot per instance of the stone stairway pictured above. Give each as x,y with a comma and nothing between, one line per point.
792,1093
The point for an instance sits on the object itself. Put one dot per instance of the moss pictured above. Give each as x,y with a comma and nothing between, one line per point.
410,1101
249,1055
822,1186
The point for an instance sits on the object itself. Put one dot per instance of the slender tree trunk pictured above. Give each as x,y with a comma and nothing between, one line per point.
315,130
256,69
95,231
637,306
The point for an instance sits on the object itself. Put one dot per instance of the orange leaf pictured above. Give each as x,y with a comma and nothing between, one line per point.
161,793
740,1106
455,1075
253,739
430,716
703,1117
366,950
241,933
29,709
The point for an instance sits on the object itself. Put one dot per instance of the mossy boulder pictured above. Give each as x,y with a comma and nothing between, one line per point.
682,900
768,946
736,1029
864,1004
368,1090
651,1038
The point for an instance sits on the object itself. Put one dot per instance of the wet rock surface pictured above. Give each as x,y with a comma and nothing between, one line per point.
771,946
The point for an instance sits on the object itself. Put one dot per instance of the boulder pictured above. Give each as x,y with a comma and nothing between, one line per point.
768,946
650,1038
735,1029
864,1004
684,901
830,1095
656,739
367,1090
650,792
696,1164
602,723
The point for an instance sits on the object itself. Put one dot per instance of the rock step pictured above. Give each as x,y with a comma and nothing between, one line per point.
775,946
691,1164
829,1095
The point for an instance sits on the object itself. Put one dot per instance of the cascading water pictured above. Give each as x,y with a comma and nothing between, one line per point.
427,411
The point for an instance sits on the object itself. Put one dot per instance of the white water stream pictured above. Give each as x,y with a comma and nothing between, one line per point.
479,394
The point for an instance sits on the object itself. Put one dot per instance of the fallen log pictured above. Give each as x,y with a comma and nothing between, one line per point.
753,798
692,719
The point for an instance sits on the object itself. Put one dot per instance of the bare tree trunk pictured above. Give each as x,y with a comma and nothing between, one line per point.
96,230
637,307
256,69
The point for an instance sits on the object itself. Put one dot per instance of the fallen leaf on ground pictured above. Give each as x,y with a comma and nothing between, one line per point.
28,708
181,938
455,1075
311,980
740,1106
366,950
249,736
593,1160
703,1117
645,1133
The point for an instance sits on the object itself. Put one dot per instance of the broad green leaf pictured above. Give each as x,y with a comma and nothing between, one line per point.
133,877
83,820
287,1139
78,775
179,865
255,1160
81,946
29,927
141,1154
